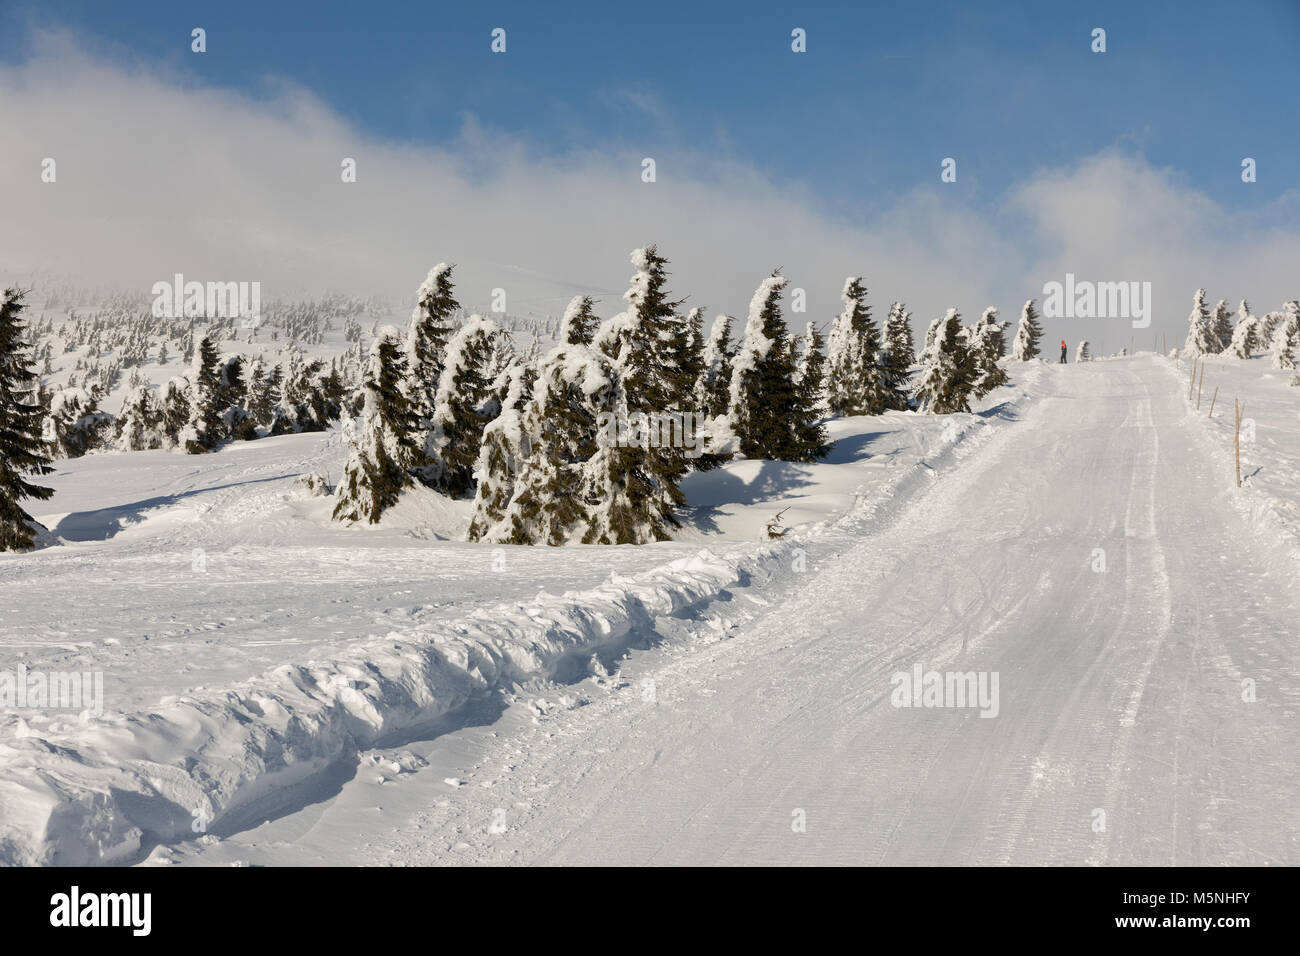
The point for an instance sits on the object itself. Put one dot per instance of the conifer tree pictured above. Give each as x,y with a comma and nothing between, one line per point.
1221,326
139,424
898,358
176,411
560,474
810,371
1028,335
1245,334
1083,353
459,411
74,425
1200,333
1286,338
382,451
856,383
204,430
769,415
22,452
636,483
714,384
426,351
579,322
949,371
502,454
987,344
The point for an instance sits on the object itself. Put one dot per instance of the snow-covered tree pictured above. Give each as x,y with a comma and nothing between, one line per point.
74,424
204,430
1245,334
1082,352
382,451
561,485
579,322
1286,337
503,452
426,349
636,483
898,357
22,451
949,369
810,369
1200,332
139,425
986,340
1221,325
175,403
460,414
856,384
714,384
769,416
1028,335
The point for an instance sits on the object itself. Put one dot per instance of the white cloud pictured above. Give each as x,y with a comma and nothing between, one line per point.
158,176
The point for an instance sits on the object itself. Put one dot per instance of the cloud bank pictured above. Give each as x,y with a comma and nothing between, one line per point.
157,175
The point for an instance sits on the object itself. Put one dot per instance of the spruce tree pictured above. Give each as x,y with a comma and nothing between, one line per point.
381,448
1083,353
505,446
769,415
1245,334
579,322
949,371
74,424
857,383
987,343
22,452
713,387
1221,326
1286,338
898,358
810,372
1028,335
637,482
557,435
204,430
176,411
426,350
139,424
1200,333
459,411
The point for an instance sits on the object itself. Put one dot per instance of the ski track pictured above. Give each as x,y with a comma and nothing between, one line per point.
1121,690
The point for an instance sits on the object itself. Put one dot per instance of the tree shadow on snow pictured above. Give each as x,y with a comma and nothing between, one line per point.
103,523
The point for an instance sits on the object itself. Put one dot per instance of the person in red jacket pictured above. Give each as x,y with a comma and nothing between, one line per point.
1062,351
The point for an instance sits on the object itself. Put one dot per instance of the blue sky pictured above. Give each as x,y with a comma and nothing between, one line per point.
884,92
524,168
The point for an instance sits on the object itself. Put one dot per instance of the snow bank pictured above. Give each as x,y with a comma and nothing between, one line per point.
101,791
1270,468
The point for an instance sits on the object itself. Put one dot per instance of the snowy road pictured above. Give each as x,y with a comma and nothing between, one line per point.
1121,737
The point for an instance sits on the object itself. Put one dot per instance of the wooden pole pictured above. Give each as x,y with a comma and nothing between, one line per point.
1199,382
1237,442
1191,382
1212,401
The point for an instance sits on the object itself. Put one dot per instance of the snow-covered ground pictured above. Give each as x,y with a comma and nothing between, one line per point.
306,693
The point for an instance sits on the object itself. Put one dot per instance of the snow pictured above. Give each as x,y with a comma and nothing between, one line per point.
1120,690
734,680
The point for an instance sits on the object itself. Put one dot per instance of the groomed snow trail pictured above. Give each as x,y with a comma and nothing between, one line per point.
1120,690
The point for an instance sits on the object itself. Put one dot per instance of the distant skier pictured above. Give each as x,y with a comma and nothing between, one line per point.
1062,351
